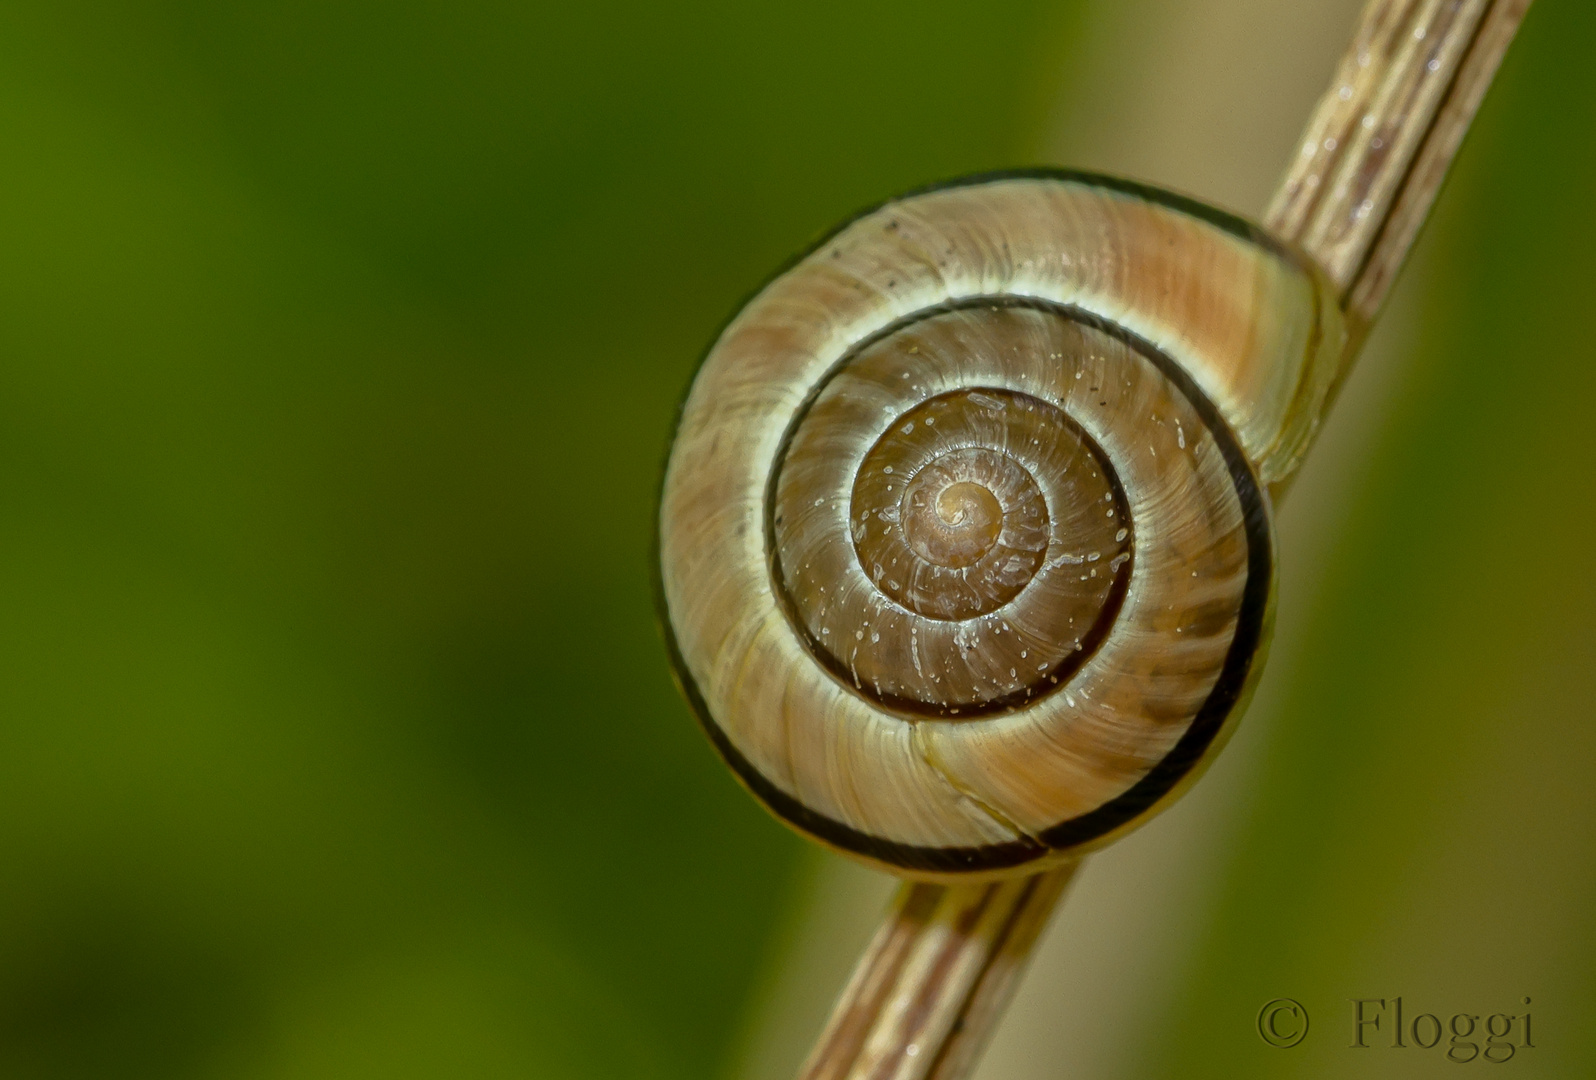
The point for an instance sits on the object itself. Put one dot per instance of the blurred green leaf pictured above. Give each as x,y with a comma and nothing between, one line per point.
340,348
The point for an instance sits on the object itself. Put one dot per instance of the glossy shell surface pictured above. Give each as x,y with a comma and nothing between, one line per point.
964,536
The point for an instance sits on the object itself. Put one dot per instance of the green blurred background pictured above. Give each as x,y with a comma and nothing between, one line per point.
339,344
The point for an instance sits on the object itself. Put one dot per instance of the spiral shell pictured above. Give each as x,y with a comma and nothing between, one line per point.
965,536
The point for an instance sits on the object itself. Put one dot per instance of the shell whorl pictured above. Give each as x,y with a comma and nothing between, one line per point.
966,557
950,543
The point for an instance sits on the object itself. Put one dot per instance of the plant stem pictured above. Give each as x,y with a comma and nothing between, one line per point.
1381,139
928,990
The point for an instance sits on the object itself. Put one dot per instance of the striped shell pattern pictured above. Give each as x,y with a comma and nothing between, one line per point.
965,541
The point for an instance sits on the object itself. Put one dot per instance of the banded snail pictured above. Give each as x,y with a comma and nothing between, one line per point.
965,544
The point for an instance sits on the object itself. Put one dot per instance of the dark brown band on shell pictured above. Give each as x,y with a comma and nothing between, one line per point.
954,511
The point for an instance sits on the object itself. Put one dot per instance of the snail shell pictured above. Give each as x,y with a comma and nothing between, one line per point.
965,541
